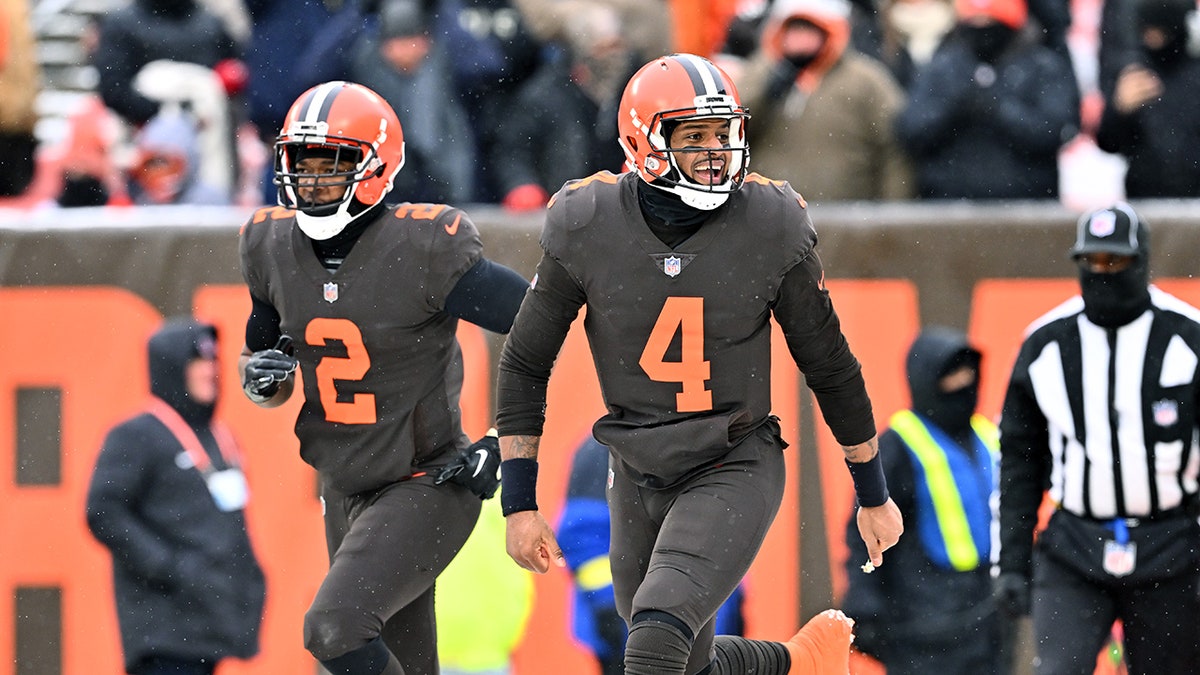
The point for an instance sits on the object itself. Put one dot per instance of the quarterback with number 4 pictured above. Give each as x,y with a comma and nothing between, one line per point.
681,263
365,297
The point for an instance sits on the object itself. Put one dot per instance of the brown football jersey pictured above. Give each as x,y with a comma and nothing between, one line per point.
680,337
381,367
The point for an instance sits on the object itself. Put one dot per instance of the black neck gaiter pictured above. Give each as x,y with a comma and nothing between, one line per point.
672,221
333,251
1111,300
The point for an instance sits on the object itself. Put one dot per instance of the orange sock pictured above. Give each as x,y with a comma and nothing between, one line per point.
822,647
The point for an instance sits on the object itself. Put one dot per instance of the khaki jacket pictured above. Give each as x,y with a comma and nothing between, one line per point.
20,75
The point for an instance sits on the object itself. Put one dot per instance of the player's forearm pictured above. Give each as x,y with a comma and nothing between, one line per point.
519,447
863,452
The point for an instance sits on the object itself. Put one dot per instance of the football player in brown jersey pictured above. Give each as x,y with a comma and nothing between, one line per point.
365,298
681,263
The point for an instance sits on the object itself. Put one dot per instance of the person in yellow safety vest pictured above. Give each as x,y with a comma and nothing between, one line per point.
482,602
929,610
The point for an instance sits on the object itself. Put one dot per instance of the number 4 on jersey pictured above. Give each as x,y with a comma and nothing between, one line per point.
684,316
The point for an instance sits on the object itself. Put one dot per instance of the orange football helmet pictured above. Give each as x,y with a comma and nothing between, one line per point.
666,91
345,122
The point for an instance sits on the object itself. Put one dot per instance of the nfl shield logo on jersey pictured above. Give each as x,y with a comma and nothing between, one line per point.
672,265
331,292
1166,412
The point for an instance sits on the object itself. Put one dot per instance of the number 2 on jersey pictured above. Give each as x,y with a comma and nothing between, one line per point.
361,408
686,317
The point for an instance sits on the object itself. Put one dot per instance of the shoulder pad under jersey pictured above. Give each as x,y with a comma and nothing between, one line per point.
578,203
774,204
267,214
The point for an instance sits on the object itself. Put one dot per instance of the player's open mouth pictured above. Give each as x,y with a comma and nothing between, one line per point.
709,173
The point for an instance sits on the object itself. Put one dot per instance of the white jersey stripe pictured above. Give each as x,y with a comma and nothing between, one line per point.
1127,403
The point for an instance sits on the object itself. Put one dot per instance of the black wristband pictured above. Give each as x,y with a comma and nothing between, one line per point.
869,484
518,485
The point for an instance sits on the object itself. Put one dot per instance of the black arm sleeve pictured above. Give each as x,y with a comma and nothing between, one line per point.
529,353
262,328
488,295
814,338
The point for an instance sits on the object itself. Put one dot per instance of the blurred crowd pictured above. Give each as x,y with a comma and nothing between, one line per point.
1080,101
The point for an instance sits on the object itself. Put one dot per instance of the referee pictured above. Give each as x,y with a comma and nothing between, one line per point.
1101,411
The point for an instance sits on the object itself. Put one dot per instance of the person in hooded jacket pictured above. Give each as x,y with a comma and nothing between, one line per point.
1103,411
1150,114
931,609
166,166
167,498
987,115
823,112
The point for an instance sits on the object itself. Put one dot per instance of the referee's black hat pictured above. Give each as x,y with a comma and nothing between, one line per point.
1118,230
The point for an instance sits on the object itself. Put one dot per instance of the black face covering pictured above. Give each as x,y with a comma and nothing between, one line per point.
988,42
801,61
1169,16
1114,299
952,410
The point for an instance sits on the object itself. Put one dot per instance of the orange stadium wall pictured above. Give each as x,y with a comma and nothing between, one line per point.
81,291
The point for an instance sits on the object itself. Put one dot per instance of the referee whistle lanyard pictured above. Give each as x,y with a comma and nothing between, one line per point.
227,486
1120,554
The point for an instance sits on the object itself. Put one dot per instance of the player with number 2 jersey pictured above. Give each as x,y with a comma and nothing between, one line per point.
364,297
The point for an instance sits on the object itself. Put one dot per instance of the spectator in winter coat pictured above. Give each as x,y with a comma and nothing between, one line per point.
167,498
408,64
1150,117
568,111
987,115
154,30
823,112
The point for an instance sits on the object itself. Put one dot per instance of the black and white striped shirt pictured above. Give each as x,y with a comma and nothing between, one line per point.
1105,419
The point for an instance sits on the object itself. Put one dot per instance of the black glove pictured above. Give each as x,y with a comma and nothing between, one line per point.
477,468
267,368
1011,593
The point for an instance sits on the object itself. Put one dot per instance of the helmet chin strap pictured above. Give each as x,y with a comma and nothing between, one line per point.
705,201
322,222
329,223
694,194
322,227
